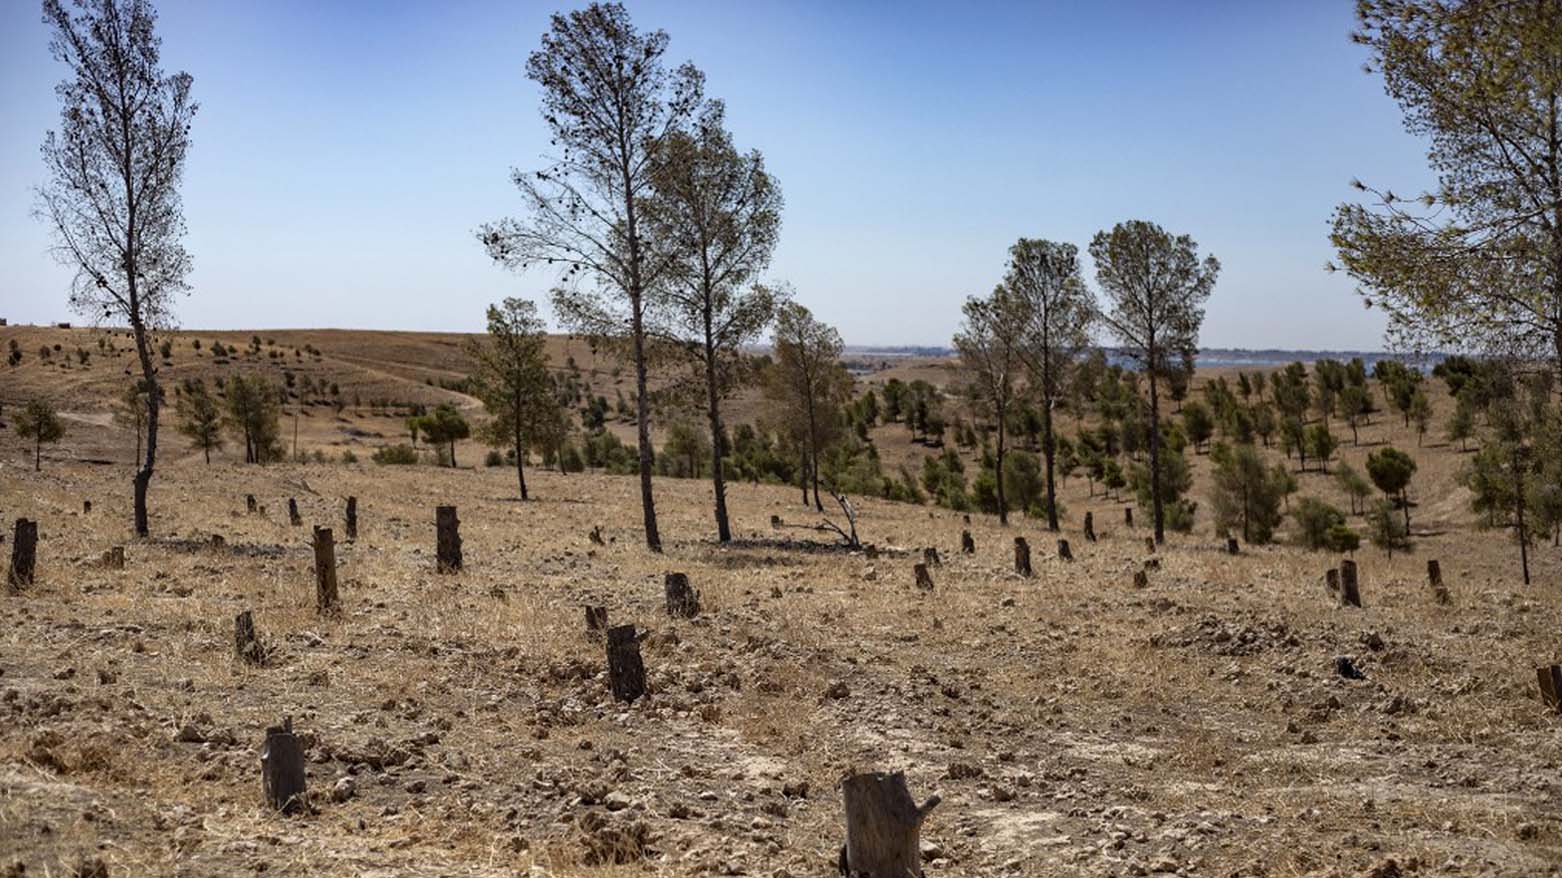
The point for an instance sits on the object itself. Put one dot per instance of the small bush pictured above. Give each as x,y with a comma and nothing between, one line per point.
1342,539
395,455
349,457
1314,519
493,458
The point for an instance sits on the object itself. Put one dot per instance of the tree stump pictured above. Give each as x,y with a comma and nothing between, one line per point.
924,578
871,552
1141,579
683,602
1149,545
246,644
775,522
1090,527
625,670
24,554
967,545
86,507
1128,516
1434,578
1064,551
114,558
352,519
448,540
930,557
1331,580
967,518
1021,556
596,619
249,503
218,542
293,517
883,827
1551,686
596,536
1350,593
282,769
325,571
1231,546
1152,563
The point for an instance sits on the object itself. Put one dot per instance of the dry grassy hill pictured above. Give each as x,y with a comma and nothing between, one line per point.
1073,723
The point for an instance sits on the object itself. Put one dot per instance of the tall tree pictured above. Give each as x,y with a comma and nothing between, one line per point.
989,345
112,200
608,100
1477,263
200,419
512,379
809,385
1058,309
713,220
1156,286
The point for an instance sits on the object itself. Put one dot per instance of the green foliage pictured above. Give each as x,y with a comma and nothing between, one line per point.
1321,444
445,426
1246,494
253,413
399,454
1387,531
1176,479
1341,539
1391,469
1354,485
39,423
200,419
1314,519
1197,424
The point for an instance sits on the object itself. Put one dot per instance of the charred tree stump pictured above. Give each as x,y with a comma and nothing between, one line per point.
282,769
1021,556
249,503
448,540
596,536
1350,593
1231,546
1434,578
775,522
293,517
114,558
596,619
1149,545
883,827
1064,551
625,670
683,602
1551,685
218,542
1331,580
967,545
1128,516
924,578
86,507
1090,527
930,557
325,571
24,554
352,519
246,644
1141,579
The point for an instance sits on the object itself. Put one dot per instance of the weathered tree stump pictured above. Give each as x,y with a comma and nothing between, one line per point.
114,558
325,571
352,519
218,543
924,578
1551,685
883,827
967,544
448,540
1149,545
282,769
1152,563
1090,527
1231,546
1128,516
596,536
249,503
596,619
1021,556
246,644
930,557
683,601
1141,579
871,552
86,507
293,517
1350,593
967,518
775,522
1331,580
24,554
625,670
1064,551
1434,578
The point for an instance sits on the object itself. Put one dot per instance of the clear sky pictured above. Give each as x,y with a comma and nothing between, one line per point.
345,152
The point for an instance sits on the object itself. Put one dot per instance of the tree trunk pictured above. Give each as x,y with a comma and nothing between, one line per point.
447,540
282,769
325,572
713,401
883,827
1090,527
967,545
625,669
520,456
653,538
1155,453
24,553
352,518
1049,447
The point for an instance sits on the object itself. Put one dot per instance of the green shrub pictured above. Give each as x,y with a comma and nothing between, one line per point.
493,458
1314,519
396,455
349,457
1342,539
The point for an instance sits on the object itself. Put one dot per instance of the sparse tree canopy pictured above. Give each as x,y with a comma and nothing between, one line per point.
200,419
1155,287
253,410
112,200
609,100
1477,263
807,386
989,344
39,423
512,380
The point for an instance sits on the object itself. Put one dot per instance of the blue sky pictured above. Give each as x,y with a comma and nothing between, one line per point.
346,152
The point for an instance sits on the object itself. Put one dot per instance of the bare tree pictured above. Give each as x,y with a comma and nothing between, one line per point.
1157,286
1058,310
714,219
112,200
989,347
608,100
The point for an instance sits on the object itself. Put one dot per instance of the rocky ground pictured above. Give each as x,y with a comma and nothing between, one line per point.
461,725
